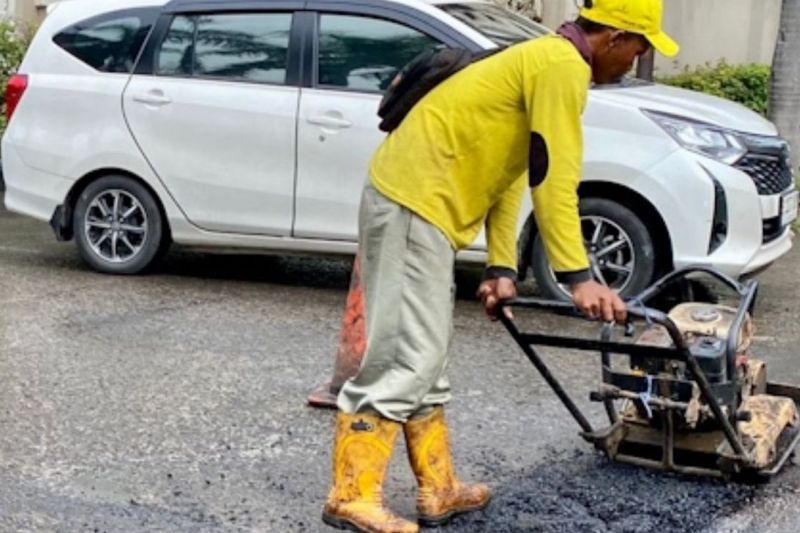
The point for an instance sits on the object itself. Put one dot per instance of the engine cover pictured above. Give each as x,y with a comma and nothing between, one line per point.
708,320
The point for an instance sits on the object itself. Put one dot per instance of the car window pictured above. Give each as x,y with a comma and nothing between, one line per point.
177,50
110,43
249,47
363,53
500,25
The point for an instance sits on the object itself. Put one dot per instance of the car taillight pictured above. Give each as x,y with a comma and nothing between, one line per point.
14,91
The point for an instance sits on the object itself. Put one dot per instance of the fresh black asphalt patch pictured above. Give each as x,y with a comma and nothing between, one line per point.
585,492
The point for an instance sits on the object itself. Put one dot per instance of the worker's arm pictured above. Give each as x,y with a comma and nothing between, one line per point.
556,99
501,240
501,232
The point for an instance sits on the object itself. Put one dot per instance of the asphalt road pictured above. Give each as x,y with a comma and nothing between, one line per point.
175,402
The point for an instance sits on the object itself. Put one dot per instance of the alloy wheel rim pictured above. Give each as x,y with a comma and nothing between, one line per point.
612,256
116,226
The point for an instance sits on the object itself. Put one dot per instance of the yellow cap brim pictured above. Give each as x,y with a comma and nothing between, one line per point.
663,43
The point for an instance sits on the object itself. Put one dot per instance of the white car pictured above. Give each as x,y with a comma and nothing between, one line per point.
250,123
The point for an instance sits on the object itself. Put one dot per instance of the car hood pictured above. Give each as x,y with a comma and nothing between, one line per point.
689,104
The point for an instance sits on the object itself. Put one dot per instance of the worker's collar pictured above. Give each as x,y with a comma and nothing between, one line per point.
575,34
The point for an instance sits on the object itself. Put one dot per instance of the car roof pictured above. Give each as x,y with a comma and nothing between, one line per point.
179,4
68,12
97,6
174,4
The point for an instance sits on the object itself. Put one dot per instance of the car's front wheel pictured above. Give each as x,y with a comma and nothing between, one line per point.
118,226
619,245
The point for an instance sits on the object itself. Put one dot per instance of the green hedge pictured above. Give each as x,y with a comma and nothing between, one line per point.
746,84
14,40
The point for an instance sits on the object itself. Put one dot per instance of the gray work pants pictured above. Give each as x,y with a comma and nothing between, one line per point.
407,274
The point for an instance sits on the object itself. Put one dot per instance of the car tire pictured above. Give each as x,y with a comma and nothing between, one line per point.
620,228
126,239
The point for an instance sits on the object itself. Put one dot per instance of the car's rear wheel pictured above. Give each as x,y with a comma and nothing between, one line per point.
620,250
118,226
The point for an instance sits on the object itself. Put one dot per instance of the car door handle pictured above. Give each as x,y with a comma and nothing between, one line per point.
153,98
328,121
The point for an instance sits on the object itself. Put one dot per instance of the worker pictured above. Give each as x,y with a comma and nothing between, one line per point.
451,168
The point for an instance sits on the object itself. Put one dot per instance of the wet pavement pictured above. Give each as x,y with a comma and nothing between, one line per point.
175,402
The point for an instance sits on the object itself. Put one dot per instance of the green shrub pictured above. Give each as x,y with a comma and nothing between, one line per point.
746,84
14,40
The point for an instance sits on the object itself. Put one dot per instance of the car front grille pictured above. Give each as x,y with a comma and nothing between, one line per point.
770,173
767,164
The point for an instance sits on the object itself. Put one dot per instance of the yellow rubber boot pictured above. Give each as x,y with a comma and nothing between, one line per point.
361,453
441,496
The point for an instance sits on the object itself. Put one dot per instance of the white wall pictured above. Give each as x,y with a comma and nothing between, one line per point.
740,31
5,8
24,10
555,12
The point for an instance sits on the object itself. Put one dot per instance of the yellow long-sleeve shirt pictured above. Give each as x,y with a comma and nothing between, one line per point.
459,158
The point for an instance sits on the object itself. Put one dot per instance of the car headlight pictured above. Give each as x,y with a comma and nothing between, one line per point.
706,139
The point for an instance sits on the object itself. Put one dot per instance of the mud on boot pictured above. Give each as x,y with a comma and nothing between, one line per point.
441,495
361,454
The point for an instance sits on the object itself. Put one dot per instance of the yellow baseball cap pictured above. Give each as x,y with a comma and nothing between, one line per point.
636,16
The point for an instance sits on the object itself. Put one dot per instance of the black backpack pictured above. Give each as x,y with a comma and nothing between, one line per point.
419,77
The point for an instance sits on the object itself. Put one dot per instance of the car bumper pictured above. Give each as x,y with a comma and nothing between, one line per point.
746,247
769,253
30,191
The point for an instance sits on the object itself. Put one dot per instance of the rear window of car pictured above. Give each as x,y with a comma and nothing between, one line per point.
110,42
500,25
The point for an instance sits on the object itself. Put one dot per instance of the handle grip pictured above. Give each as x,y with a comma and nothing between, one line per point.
636,313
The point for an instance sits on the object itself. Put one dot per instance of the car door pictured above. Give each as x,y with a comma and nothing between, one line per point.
356,55
216,119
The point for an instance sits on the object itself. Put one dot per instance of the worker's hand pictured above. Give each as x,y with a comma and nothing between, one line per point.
598,301
492,291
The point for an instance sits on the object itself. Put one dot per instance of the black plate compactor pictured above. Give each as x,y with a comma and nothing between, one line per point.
688,397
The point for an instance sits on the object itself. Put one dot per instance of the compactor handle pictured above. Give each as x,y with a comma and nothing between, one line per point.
636,313
638,310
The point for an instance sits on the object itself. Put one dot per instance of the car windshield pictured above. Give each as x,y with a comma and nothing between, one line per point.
497,23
